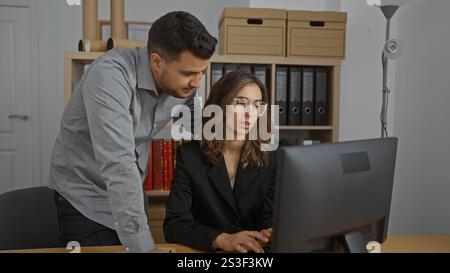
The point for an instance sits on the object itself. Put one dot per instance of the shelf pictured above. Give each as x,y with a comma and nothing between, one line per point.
82,56
157,193
251,59
306,128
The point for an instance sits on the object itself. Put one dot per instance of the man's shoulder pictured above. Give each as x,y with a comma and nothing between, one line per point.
116,63
124,59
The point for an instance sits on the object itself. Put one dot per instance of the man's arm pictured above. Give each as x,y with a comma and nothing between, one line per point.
107,96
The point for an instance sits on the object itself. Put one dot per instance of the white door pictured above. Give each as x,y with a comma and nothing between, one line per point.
15,99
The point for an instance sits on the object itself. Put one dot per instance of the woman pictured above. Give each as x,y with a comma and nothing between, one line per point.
222,192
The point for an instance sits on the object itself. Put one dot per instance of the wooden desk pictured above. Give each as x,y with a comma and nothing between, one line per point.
417,244
173,248
394,244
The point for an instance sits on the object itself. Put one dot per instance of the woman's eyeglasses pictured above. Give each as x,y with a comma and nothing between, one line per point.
243,104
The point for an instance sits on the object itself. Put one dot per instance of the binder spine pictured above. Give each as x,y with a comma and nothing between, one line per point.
321,99
294,105
260,74
281,93
216,73
308,96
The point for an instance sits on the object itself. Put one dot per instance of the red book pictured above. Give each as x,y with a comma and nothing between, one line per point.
165,169
167,162
170,156
158,165
176,144
148,182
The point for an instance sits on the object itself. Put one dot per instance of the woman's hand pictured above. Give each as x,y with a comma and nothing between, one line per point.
267,233
242,242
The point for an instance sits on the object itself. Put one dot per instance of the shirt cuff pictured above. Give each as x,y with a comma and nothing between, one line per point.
137,243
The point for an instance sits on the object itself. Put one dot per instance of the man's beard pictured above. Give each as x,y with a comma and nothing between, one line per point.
165,84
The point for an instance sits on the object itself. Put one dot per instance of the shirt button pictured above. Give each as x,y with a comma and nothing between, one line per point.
117,224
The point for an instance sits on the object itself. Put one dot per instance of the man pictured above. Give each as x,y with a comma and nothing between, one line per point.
100,155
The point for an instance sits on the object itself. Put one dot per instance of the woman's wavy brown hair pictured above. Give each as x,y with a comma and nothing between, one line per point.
222,94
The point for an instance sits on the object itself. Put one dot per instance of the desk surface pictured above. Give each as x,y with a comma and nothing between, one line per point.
394,244
417,244
173,248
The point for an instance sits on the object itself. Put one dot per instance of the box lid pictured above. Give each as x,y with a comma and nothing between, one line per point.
253,13
305,15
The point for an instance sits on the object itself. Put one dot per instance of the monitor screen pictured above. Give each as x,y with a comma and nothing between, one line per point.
333,197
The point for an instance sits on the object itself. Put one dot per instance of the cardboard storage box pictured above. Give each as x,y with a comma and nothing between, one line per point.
313,33
252,31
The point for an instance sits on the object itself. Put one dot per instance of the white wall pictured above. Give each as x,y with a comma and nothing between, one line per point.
58,27
421,202
320,5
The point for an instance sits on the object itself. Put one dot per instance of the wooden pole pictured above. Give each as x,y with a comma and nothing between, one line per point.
90,20
118,19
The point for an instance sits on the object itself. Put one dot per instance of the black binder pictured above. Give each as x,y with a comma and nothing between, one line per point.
321,100
216,73
281,93
230,68
295,91
308,96
260,74
246,68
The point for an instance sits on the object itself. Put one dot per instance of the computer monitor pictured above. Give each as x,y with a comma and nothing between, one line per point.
333,197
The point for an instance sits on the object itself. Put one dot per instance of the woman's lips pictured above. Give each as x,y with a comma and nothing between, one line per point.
246,124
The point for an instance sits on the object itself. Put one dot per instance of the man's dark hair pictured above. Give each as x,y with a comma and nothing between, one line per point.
178,31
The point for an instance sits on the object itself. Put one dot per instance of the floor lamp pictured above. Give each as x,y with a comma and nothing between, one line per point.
391,50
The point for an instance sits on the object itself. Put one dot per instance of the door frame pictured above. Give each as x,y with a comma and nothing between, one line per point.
35,96
35,89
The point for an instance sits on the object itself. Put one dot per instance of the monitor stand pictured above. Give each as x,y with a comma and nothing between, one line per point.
354,243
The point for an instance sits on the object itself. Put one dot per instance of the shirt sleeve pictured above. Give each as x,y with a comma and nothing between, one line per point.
107,96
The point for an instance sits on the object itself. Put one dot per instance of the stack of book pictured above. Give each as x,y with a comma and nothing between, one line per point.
161,165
